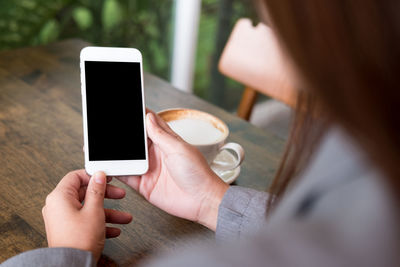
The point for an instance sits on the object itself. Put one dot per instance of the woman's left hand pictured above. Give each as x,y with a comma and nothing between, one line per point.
69,223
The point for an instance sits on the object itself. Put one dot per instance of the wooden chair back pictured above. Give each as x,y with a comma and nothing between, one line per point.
252,57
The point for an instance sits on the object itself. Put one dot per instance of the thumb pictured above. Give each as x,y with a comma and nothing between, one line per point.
95,192
166,140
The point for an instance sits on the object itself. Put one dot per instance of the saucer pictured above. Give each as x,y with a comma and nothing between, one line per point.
223,159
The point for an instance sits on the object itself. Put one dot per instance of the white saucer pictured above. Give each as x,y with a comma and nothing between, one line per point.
222,160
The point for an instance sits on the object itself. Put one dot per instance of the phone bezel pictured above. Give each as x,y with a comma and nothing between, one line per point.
113,167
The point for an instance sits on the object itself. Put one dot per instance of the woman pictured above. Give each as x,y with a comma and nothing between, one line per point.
335,199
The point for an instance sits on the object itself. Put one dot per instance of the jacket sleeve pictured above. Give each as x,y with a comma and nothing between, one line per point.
58,257
241,213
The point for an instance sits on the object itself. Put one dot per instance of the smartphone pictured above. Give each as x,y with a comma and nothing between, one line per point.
113,108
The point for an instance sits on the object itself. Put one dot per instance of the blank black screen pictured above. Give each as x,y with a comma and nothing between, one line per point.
114,111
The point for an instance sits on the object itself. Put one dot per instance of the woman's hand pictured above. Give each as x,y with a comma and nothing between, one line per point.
179,180
69,223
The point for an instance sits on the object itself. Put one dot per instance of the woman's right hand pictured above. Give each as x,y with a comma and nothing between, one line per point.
179,180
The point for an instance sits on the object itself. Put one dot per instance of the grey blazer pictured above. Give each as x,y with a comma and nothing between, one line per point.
338,213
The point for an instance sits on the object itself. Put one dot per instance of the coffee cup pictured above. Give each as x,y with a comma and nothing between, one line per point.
206,132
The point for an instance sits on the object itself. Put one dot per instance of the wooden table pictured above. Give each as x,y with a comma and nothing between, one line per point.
41,140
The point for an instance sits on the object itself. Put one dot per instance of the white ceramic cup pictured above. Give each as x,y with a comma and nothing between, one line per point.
212,149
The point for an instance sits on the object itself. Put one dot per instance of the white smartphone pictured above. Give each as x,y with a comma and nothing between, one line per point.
113,108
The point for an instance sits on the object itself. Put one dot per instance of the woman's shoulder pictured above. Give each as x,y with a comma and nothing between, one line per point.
342,199
338,176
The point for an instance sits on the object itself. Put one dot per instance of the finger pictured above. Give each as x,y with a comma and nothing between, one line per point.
163,124
149,111
112,192
94,199
132,181
112,232
149,142
82,193
160,121
73,181
116,216
165,140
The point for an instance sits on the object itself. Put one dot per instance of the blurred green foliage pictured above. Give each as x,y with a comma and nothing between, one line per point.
144,24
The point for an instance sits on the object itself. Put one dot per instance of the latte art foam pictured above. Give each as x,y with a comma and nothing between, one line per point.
196,132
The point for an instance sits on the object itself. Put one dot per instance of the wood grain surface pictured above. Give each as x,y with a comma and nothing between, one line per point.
41,140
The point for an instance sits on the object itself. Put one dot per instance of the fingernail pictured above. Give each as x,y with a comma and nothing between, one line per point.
99,178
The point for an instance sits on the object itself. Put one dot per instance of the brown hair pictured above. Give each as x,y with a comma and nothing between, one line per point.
348,54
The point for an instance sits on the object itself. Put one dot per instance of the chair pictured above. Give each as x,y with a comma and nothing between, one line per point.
252,57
